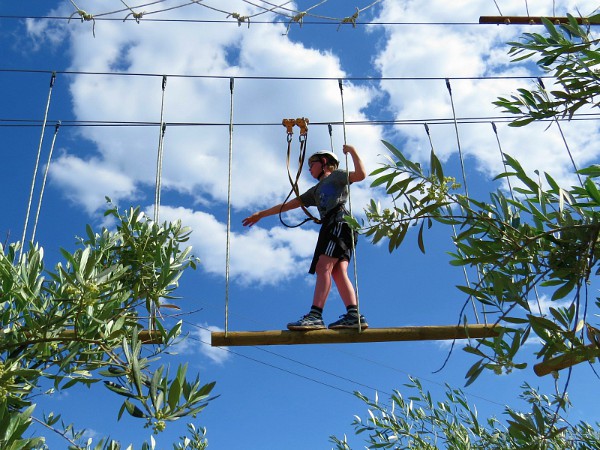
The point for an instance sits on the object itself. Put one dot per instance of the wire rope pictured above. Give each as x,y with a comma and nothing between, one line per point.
159,156
158,182
101,17
512,196
265,77
228,234
462,167
564,139
352,238
465,273
23,123
39,207
37,162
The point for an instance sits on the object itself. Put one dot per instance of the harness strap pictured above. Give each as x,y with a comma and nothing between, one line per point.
302,123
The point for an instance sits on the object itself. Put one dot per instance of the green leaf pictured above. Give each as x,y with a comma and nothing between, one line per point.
420,238
564,290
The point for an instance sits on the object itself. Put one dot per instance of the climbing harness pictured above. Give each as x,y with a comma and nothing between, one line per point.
289,124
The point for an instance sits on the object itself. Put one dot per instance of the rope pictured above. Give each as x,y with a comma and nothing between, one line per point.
465,273
512,196
159,157
464,174
158,182
37,162
460,154
37,214
541,83
341,86
227,245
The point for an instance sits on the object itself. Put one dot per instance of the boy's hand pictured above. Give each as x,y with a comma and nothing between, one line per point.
251,220
348,149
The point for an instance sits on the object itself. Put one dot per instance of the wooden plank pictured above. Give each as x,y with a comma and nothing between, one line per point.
285,337
533,20
567,360
145,336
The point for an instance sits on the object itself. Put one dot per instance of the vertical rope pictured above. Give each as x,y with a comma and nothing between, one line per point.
39,207
37,162
341,85
564,140
158,182
228,239
512,196
464,269
464,173
460,154
159,156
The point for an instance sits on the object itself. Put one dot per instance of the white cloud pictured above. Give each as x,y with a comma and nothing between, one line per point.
470,51
257,255
199,340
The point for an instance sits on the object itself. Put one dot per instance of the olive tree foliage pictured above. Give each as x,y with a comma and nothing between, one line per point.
420,422
81,323
539,239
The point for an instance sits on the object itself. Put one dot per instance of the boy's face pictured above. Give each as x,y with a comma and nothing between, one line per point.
315,167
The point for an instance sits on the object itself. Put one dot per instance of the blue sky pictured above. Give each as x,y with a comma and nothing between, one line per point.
270,397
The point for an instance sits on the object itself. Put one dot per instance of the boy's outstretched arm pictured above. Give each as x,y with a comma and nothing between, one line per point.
282,207
359,173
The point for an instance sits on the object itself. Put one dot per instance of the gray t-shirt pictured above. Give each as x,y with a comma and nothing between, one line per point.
328,193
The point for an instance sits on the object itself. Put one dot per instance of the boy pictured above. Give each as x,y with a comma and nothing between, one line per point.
334,245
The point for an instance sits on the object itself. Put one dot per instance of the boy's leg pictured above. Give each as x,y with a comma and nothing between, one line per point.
346,290
343,283
324,269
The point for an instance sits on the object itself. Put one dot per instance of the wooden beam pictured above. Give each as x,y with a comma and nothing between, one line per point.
145,336
285,337
534,20
567,360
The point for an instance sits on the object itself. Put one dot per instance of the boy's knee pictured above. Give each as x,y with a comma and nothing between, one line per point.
325,265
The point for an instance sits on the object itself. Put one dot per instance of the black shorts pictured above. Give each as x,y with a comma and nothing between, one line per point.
334,240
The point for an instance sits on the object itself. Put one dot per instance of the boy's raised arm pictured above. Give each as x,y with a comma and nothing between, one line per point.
359,173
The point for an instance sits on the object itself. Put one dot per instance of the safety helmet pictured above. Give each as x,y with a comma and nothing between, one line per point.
329,156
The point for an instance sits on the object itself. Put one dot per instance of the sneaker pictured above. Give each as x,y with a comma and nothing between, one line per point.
349,321
307,322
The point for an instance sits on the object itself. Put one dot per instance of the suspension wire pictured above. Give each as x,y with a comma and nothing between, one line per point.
512,196
228,238
355,264
460,154
464,176
23,123
562,134
158,183
159,157
465,273
498,8
264,77
37,162
39,207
